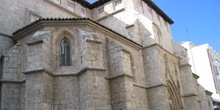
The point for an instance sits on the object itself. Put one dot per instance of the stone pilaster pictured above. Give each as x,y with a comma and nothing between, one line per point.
188,80
93,86
209,98
39,82
157,91
12,83
38,91
94,90
189,85
120,77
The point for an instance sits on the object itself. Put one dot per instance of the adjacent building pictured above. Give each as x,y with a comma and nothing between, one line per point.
205,63
109,55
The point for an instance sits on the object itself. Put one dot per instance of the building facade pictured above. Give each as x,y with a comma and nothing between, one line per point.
109,55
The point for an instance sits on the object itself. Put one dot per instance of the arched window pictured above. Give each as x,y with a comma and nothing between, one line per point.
65,54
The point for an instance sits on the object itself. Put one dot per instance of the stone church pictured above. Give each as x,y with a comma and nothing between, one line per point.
108,55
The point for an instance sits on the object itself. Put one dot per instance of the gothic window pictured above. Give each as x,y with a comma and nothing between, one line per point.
65,53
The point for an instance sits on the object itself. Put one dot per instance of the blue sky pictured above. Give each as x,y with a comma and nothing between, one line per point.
195,20
200,17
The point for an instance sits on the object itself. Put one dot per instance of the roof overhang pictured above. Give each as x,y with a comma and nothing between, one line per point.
49,22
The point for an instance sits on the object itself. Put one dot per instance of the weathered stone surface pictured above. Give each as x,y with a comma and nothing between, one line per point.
134,65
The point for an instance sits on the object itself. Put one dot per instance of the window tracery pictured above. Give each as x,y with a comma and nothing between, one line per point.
65,53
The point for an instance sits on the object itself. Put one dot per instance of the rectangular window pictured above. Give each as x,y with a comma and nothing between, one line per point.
83,12
118,2
1,66
216,70
167,26
218,84
101,10
71,6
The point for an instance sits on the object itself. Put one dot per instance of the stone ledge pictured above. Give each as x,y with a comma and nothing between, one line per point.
189,95
208,92
184,65
129,26
70,74
6,35
95,41
140,86
80,72
35,42
36,71
12,81
195,76
154,86
118,76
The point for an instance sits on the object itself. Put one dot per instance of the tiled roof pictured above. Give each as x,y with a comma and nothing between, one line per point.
72,19
149,2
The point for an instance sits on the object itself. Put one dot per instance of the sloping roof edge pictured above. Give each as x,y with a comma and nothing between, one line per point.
148,2
159,11
41,21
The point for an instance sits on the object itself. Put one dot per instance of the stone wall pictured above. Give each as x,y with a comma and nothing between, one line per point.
17,14
6,42
189,82
143,22
107,71
12,95
66,93
163,78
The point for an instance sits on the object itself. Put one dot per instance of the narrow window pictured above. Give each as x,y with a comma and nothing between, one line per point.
118,2
1,66
71,6
216,70
1,74
65,55
83,12
101,10
167,26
